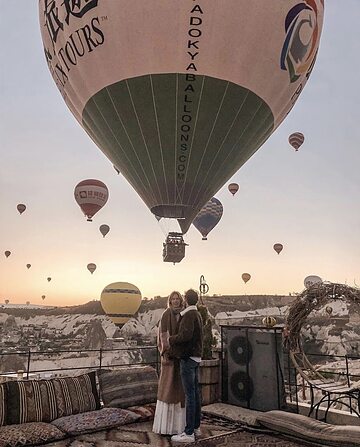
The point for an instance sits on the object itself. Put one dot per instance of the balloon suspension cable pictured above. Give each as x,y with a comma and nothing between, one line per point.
204,289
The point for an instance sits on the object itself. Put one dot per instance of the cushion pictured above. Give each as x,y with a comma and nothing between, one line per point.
95,420
2,405
30,401
135,385
32,433
76,394
311,429
145,412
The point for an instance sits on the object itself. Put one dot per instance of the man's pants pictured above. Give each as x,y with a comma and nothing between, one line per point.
189,371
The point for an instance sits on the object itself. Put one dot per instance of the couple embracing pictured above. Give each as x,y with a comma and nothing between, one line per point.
178,407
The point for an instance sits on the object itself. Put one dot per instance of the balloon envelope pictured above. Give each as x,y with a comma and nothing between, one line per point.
48,278
91,267
186,94
91,195
208,217
43,297
278,248
246,277
233,188
296,140
328,310
7,301
104,229
28,266
7,253
21,208
311,280
120,300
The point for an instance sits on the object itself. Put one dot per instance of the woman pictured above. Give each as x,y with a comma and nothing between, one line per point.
169,416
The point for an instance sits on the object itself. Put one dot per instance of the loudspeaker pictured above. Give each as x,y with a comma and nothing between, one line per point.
253,367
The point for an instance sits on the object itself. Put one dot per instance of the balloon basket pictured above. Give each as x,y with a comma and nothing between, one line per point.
174,248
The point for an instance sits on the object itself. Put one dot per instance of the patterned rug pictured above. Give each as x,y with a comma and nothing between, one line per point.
216,434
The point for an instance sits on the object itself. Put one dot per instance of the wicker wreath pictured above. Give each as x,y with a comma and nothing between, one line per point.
314,298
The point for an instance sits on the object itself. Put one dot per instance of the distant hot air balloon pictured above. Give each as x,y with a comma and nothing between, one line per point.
7,253
28,266
48,278
91,195
328,310
233,188
120,300
91,267
180,123
6,301
208,217
278,248
269,321
245,277
296,140
311,280
104,229
21,208
27,303
43,297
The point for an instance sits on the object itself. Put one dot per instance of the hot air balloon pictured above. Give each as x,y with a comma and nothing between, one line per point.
269,321
6,301
245,277
180,123
328,310
278,248
120,300
21,208
311,280
208,217
91,195
233,188
43,297
28,266
104,229
27,303
48,278
7,253
296,140
91,267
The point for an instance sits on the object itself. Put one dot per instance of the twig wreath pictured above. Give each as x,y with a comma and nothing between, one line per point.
313,298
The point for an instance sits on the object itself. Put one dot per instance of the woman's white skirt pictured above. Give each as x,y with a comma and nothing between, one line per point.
169,419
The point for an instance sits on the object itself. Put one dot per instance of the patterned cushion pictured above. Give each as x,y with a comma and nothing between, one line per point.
310,429
135,385
30,401
95,420
2,405
76,394
32,433
146,412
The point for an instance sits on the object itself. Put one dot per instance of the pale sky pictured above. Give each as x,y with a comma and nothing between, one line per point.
306,200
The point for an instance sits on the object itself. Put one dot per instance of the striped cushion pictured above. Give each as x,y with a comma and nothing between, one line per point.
76,394
2,405
30,401
125,387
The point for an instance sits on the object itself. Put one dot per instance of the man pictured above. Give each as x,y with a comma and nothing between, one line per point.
187,345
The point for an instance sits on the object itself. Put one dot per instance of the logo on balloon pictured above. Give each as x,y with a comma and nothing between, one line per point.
302,31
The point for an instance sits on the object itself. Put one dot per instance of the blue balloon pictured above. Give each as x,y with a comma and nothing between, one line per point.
208,217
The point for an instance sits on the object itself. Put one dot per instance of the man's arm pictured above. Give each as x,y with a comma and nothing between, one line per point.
186,331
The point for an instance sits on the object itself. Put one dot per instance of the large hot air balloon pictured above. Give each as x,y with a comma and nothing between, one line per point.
296,140
91,267
233,188
311,280
21,208
28,266
187,92
120,300
246,277
91,195
278,248
208,217
7,253
48,278
104,229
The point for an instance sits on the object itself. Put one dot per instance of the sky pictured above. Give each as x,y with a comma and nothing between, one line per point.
306,200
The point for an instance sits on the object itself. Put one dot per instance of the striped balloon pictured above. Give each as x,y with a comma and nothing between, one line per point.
91,195
233,188
296,140
269,321
208,217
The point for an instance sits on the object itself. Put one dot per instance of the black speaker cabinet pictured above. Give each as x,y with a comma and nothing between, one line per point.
252,367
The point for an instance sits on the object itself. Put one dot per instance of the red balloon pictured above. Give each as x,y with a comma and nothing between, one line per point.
233,188
91,195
